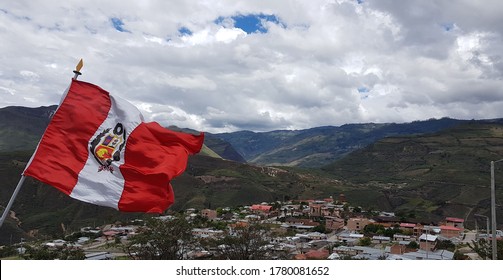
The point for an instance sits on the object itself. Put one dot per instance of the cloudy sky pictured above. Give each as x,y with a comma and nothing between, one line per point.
221,66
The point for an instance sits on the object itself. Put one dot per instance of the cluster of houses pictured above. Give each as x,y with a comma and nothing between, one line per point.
321,229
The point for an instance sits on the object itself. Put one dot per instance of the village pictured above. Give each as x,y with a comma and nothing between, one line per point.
325,229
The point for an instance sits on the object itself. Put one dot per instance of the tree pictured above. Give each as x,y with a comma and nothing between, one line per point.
42,252
373,229
446,245
320,228
484,249
7,251
244,242
161,240
413,245
365,241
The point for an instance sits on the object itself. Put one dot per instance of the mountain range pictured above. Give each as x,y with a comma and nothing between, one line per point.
423,171
320,146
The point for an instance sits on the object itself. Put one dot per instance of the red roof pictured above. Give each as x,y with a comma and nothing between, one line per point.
455,220
449,228
317,254
407,225
261,207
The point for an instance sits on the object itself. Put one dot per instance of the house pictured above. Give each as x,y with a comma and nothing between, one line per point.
402,237
207,233
386,221
315,209
99,256
252,217
407,227
427,255
299,223
333,223
260,208
360,252
346,251
349,238
316,236
397,249
380,239
56,243
321,209
208,213
357,224
454,222
110,234
450,231
190,211
427,242
420,229
83,239
321,254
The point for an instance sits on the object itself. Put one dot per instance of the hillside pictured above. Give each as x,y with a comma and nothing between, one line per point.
440,174
440,168
21,127
208,182
320,146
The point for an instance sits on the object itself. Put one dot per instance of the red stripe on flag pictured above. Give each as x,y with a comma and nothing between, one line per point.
63,150
154,155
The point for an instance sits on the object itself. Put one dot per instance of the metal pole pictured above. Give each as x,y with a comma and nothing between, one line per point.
493,213
476,230
487,226
427,249
11,201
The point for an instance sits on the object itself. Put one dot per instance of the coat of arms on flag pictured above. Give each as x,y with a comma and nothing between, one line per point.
106,147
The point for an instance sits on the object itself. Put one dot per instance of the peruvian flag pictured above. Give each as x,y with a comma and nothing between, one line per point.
98,149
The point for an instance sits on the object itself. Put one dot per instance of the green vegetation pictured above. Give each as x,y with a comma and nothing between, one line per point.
49,253
484,249
161,240
420,176
433,175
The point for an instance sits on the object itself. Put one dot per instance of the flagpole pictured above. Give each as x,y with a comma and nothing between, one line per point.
11,201
21,181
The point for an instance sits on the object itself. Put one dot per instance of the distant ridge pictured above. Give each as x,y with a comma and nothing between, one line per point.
21,127
316,147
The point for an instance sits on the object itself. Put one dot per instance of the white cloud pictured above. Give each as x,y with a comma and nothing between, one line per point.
411,59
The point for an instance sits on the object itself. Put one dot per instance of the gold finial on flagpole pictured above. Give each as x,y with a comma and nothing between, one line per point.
77,69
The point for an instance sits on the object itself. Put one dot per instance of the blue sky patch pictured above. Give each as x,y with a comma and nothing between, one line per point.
184,31
363,90
118,24
252,23
447,26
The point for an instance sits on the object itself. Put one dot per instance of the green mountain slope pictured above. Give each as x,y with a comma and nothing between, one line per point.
222,148
21,128
441,174
41,210
319,146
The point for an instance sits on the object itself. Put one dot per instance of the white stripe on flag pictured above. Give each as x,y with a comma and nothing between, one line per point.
104,187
